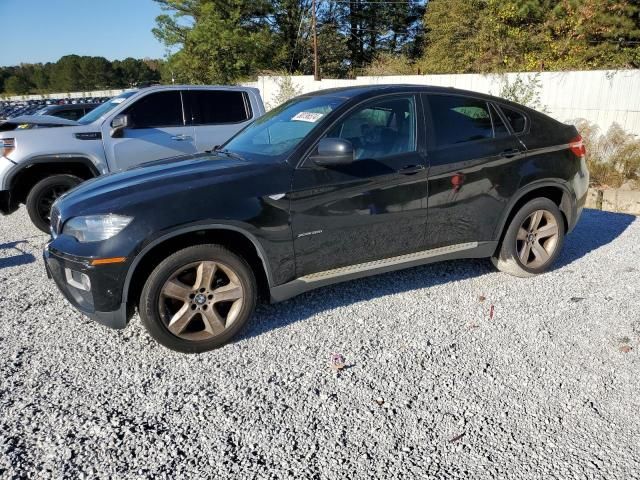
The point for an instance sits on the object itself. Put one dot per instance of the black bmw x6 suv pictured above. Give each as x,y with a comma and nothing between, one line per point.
328,187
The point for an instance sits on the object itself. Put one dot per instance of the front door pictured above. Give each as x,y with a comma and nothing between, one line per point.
157,130
373,208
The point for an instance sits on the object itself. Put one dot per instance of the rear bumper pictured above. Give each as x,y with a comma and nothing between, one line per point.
580,187
105,308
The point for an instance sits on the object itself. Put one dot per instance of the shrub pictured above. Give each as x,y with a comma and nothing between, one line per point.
524,90
388,64
612,157
286,90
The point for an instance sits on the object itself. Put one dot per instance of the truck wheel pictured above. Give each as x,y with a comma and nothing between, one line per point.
533,239
198,298
43,194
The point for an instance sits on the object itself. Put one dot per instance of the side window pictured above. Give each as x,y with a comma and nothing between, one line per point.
69,114
162,109
385,127
499,128
210,107
516,119
459,119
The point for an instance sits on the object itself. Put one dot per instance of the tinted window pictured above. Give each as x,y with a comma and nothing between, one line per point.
499,128
459,119
386,127
69,114
162,109
516,119
211,107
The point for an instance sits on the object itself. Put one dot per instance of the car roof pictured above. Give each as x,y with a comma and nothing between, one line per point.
196,87
354,92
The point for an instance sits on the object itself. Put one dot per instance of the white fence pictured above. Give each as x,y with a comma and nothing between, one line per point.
600,96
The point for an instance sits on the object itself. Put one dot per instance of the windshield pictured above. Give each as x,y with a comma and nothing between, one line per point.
107,106
275,135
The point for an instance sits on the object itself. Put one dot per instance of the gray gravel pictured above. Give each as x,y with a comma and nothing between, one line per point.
433,386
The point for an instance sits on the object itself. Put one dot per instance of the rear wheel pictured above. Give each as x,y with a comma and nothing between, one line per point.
533,239
43,194
198,298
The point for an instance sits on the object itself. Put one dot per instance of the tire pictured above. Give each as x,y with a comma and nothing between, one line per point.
529,248
44,193
178,303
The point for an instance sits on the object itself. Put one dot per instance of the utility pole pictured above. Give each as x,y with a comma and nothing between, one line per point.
316,65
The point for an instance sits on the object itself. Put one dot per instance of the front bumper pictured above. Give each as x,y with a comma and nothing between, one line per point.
5,202
102,300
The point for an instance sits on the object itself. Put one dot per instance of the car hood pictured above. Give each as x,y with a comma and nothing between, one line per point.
41,120
155,184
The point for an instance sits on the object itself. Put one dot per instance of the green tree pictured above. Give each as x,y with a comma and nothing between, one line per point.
511,35
17,85
220,41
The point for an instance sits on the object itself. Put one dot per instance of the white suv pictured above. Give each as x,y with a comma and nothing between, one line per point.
137,126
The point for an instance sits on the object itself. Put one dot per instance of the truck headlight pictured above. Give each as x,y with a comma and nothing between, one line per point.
95,228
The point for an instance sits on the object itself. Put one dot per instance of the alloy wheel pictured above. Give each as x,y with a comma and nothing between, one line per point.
201,300
537,239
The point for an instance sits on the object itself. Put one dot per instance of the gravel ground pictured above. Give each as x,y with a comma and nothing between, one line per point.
435,384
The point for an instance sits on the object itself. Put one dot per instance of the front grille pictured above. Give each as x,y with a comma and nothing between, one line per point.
55,222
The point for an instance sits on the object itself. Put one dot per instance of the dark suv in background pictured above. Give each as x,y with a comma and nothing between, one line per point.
328,187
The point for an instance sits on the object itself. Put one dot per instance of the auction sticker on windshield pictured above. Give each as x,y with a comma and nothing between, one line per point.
308,116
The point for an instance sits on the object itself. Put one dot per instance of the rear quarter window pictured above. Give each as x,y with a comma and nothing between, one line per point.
517,120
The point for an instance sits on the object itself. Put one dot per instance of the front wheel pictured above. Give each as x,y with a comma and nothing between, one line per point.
198,298
533,239
43,194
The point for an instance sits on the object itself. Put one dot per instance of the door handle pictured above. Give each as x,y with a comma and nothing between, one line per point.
411,169
181,138
510,152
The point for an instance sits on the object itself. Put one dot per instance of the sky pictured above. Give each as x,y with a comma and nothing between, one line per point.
36,31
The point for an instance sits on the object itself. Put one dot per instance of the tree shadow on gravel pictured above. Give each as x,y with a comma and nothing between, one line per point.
22,257
595,229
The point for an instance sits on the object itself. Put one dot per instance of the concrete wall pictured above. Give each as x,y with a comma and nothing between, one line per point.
614,200
600,96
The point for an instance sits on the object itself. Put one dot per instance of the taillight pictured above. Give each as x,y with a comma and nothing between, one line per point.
576,145
7,145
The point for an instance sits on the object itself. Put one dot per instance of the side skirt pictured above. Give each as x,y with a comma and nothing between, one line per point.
300,285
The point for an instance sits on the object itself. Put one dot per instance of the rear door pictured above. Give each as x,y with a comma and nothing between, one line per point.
474,159
216,115
157,130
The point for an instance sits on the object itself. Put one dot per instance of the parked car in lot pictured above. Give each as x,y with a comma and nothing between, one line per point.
49,116
38,165
328,187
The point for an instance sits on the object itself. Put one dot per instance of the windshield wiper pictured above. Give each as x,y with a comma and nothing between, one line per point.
228,153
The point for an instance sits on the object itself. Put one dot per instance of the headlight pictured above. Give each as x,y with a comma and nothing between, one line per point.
94,228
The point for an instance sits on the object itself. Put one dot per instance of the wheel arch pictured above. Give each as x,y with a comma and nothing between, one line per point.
236,239
556,191
26,174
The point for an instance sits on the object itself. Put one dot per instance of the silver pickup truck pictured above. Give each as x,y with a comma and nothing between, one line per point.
38,165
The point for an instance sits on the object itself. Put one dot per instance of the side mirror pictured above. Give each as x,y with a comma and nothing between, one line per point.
118,124
333,151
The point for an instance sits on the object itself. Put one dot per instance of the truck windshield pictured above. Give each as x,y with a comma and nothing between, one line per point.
275,135
99,111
